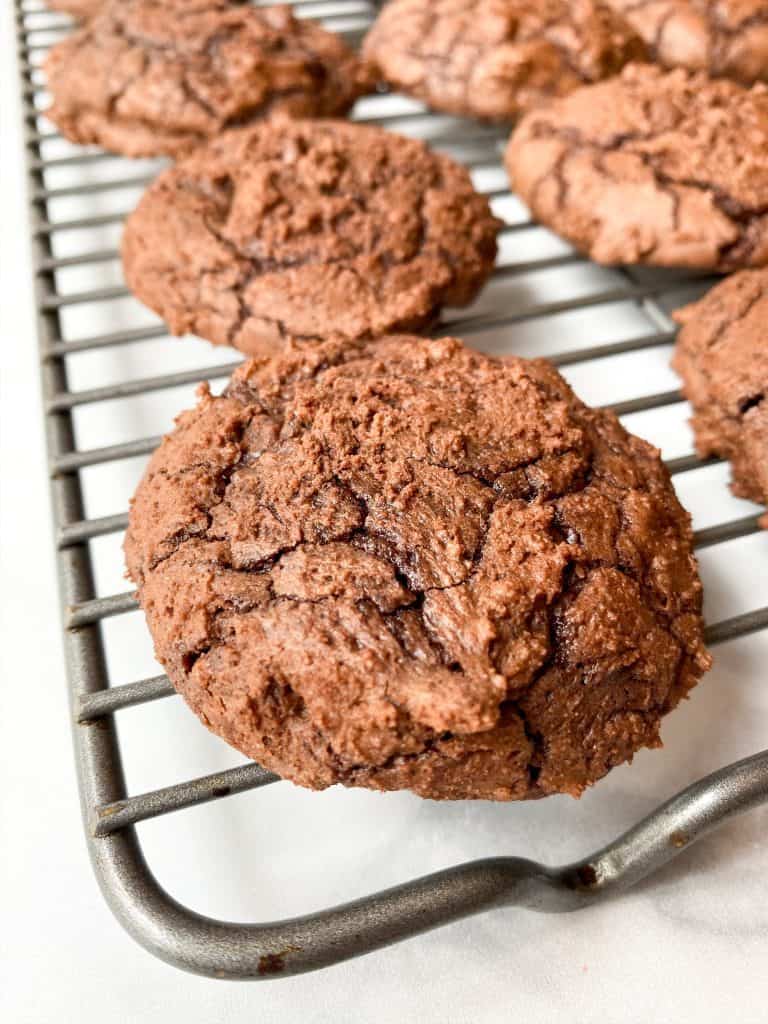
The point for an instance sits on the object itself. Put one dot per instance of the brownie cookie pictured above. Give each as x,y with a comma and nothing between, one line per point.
721,37
147,77
722,356
305,229
81,9
667,168
405,565
494,58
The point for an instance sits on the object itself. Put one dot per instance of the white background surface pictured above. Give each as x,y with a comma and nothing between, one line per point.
690,945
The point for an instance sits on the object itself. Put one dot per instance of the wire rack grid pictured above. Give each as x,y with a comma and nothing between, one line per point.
535,304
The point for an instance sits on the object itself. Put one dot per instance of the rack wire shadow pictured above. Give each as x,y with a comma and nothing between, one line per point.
173,932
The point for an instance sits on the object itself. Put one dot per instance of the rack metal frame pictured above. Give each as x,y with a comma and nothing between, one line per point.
173,932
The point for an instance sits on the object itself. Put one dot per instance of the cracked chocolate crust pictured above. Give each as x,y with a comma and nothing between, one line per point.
494,58
403,564
308,228
721,37
722,356
152,77
81,9
666,168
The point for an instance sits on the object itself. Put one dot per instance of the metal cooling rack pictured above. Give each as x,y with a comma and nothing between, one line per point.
165,927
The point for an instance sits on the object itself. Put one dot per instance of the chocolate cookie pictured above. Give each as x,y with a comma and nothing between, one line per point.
304,229
147,77
722,356
668,168
406,565
494,58
721,37
81,9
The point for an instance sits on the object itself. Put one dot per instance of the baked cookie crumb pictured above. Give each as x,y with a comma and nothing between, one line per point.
493,59
666,168
302,229
722,356
153,77
406,565
719,37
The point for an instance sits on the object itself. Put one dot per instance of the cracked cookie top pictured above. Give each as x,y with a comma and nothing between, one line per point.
666,168
149,77
305,229
722,356
404,564
721,37
495,58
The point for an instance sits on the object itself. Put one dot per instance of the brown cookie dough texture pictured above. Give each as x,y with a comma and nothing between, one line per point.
721,37
722,356
307,228
81,9
494,58
406,565
667,168
147,77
